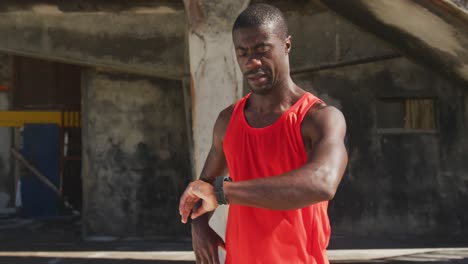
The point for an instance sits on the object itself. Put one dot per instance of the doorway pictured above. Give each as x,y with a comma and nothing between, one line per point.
46,92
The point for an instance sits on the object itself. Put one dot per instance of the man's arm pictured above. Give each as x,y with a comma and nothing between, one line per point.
215,165
205,241
316,181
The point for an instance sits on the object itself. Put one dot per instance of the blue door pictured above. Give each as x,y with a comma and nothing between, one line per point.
41,149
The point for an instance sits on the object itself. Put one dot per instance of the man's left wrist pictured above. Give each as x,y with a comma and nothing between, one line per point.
219,185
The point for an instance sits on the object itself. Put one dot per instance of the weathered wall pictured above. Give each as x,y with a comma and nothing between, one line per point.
135,155
400,182
147,38
6,180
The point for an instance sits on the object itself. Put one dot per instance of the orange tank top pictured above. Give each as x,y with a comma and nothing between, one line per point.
256,235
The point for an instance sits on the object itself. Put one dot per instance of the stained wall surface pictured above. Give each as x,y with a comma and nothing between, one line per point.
135,155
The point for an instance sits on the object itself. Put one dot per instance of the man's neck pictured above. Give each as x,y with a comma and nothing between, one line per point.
278,100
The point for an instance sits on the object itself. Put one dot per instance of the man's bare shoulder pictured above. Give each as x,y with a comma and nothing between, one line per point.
321,112
225,114
223,121
322,118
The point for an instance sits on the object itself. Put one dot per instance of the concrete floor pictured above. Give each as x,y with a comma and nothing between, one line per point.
59,241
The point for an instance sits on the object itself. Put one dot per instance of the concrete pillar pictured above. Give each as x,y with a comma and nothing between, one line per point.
216,81
6,177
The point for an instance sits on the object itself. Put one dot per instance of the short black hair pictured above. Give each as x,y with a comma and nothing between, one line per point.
262,14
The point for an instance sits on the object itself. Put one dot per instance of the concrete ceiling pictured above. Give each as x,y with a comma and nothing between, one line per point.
146,37
434,33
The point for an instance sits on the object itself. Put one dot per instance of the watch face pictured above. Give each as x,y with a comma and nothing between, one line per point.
227,178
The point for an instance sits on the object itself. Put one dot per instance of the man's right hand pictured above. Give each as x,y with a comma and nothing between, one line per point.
205,241
195,191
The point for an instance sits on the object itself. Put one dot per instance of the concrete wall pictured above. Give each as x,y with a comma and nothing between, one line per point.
399,182
6,176
135,155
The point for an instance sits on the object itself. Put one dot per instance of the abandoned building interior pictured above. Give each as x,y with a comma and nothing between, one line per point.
113,102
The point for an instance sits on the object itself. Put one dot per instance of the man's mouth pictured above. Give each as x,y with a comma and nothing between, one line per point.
257,77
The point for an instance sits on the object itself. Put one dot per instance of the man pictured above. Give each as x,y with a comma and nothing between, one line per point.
284,149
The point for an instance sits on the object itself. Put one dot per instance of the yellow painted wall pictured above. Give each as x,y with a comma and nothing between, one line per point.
19,118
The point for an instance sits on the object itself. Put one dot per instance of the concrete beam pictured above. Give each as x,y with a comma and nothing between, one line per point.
147,39
432,33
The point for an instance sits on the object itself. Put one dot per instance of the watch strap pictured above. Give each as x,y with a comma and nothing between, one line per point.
219,189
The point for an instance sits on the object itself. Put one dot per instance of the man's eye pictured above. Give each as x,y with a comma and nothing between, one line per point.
241,53
263,49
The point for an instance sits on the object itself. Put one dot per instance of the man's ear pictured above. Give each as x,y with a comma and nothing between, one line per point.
288,44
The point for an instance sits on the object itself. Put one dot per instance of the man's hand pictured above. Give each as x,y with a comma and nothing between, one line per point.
193,193
205,241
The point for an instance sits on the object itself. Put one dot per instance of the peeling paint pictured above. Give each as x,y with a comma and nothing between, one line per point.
194,12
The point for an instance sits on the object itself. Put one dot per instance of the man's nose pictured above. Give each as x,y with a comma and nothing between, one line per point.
253,63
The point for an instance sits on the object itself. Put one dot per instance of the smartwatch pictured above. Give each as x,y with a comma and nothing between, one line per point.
219,189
